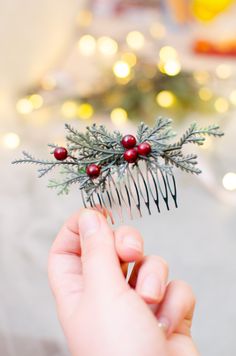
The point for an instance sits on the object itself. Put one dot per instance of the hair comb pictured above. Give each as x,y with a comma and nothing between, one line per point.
123,174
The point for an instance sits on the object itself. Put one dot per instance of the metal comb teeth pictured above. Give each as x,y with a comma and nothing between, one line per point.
141,189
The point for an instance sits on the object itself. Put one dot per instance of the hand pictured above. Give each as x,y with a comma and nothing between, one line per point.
101,313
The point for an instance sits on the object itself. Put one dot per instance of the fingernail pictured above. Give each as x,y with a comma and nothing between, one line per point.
132,243
151,287
88,223
163,324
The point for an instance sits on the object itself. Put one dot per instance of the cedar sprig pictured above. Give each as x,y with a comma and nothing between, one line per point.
98,146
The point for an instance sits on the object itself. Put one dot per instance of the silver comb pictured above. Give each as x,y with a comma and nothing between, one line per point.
142,189
114,179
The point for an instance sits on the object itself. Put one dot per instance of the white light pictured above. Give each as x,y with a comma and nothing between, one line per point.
107,46
87,45
121,69
11,140
119,116
135,40
223,71
168,52
172,67
229,181
24,106
232,97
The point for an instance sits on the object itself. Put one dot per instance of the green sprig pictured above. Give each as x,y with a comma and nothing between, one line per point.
96,145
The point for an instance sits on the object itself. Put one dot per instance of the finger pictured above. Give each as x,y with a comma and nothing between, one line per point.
100,263
64,264
129,244
176,311
104,211
149,278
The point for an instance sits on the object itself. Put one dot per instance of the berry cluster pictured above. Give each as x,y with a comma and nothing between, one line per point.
132,151
130,155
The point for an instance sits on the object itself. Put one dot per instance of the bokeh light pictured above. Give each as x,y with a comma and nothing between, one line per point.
11,140
232,97
85,111
221,105
121,69
165,98
135,40
119,116
223,71
87,45
167,52
69,109
205,93
169,63
229,181
129,58
107,46
172,67
24,106
36,100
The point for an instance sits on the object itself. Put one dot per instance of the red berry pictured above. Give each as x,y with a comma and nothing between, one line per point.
131,155
93,170
60,153
128,141
144,148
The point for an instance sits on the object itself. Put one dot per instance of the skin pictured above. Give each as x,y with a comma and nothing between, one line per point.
101,312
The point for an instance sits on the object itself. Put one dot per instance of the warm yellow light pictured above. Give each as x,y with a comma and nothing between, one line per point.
123,81
69,109
129,58
157,30
84,18
11,140
171,67
48,83
87,45
36,100
119,116
167,52
232,97
121,69
85,111
221,105
24,106
107,46
165,98
223,71
229,181
205,94
135,40
201,77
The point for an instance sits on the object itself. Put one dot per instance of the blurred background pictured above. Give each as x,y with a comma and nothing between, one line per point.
117,62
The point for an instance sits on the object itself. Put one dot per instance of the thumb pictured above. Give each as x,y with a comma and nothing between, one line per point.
100,263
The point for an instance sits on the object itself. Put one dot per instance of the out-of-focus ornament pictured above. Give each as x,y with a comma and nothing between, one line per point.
207,10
